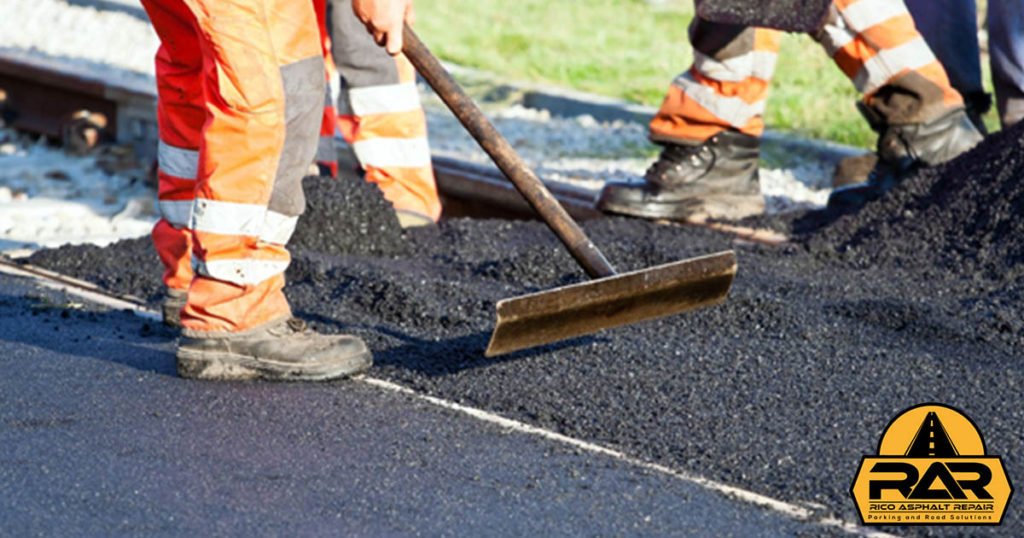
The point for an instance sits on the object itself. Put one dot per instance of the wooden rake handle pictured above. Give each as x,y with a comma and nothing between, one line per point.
525,181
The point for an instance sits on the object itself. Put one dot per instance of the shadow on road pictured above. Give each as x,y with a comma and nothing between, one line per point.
437,358
65,327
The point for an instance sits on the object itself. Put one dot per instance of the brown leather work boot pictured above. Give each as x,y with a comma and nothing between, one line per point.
285,350
717,178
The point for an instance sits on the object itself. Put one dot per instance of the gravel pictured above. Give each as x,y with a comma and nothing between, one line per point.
48,198
117,44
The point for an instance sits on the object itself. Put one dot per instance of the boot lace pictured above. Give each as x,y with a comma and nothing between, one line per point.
679,163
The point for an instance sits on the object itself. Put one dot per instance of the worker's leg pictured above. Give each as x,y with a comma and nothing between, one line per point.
725,88
709,124
908,99
1006,50
263,81
950,29
385,121
326,154
878,47
180,113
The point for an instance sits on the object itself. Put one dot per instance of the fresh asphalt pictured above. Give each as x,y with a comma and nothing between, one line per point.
99,437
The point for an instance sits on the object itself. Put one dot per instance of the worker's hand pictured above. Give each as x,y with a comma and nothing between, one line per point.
383,19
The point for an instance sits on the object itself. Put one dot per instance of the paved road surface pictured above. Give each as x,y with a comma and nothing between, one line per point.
99,437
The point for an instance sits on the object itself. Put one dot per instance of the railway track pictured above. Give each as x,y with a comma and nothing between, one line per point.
81,108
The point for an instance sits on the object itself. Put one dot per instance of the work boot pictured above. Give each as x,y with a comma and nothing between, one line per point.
285,350
715,178
905,148
174,301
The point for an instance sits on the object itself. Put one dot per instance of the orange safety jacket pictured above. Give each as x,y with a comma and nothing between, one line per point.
240,97
874,42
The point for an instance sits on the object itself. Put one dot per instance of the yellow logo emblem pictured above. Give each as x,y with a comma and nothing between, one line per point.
931,469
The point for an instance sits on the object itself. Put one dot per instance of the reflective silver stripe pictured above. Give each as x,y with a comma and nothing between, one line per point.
384,99
758,64
868,13
836,36
227,218
239,272
178,162
176,212
393,152
334,89
882,67
278,228
732,110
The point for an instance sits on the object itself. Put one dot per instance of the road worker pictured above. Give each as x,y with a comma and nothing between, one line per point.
240,97
710,122
950,28
372,99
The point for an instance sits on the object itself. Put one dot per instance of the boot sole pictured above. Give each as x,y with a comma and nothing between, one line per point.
720,207
224,366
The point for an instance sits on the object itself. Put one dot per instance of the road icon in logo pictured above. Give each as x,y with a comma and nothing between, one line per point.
931,469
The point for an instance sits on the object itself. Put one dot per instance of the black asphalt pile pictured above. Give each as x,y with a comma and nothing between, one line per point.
964,217
125,267
781,389
348,216
961,222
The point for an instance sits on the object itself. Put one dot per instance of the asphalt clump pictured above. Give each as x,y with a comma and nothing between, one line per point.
781,389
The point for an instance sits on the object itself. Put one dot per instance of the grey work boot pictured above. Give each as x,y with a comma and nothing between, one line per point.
716,178
284,350
174,301
905,148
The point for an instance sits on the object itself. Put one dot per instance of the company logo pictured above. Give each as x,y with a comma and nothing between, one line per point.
931,469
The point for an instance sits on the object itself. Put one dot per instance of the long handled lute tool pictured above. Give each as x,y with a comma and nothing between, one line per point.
610,299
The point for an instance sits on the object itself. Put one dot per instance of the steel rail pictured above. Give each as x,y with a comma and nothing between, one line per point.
10,266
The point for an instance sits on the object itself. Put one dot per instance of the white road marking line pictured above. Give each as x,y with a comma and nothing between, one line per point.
785,508
788,509
75,289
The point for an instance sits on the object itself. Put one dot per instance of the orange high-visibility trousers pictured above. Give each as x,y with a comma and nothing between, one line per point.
874,42
380,115
240,86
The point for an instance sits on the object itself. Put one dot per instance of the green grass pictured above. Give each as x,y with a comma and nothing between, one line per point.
610,47
631,49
